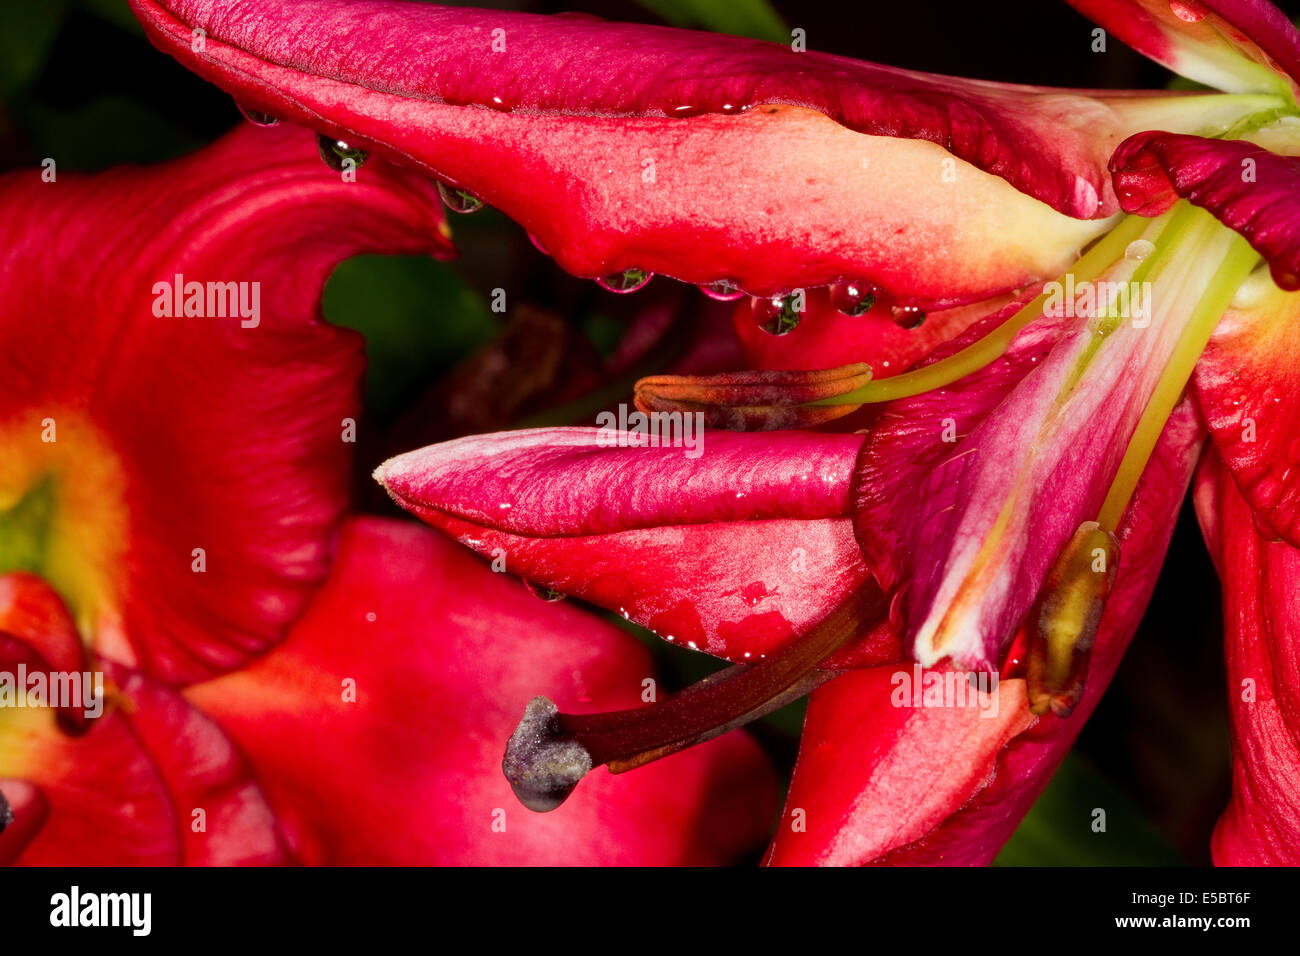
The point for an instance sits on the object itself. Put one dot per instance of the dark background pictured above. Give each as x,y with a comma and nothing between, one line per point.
79,82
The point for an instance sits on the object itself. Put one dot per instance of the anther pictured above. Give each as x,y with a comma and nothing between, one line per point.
1069,614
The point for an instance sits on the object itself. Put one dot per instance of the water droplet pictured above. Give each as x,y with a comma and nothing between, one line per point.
908,316
337,152
854,298
629,280
1139,249
257,117
550,595
686,109
724,290
459,200
777,315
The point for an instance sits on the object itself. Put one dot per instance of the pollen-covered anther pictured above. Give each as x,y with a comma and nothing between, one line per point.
1067,617
754,400
6,813
542,765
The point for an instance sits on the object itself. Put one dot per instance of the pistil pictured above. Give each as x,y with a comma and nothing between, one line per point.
550,751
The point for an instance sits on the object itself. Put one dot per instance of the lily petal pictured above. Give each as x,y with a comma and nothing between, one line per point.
608,141
1247,187
407,768
187,471
1242,46
150,781
1247,390
966,495
1261,825
734,551
948,785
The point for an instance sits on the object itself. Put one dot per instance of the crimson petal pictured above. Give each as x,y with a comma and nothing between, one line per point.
609,141
734,551
377,727
1261,825
878,783
169,445
1248,188
1234,45
149,781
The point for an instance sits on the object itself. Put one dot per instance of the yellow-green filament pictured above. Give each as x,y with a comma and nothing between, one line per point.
992,346
1175,228
1234,269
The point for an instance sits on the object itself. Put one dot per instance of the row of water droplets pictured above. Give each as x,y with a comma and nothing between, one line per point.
776,314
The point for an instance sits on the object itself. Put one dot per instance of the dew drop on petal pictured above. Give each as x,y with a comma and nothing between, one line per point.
459,200
908,316
629,280
1139,249
337,152
724,290
257,117
777,314
550,595
855,297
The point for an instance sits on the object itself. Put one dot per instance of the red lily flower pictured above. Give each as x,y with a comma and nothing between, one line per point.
136,431
160,470
1058,421
330,749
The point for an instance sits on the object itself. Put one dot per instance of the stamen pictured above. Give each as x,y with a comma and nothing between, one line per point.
6,813
1232,272
1173,231
753,401
1069,614
550,752
993,345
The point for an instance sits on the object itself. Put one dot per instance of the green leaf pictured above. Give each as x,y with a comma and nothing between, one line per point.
116,12
107,131
745,18
27,33
417,315
1059,829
